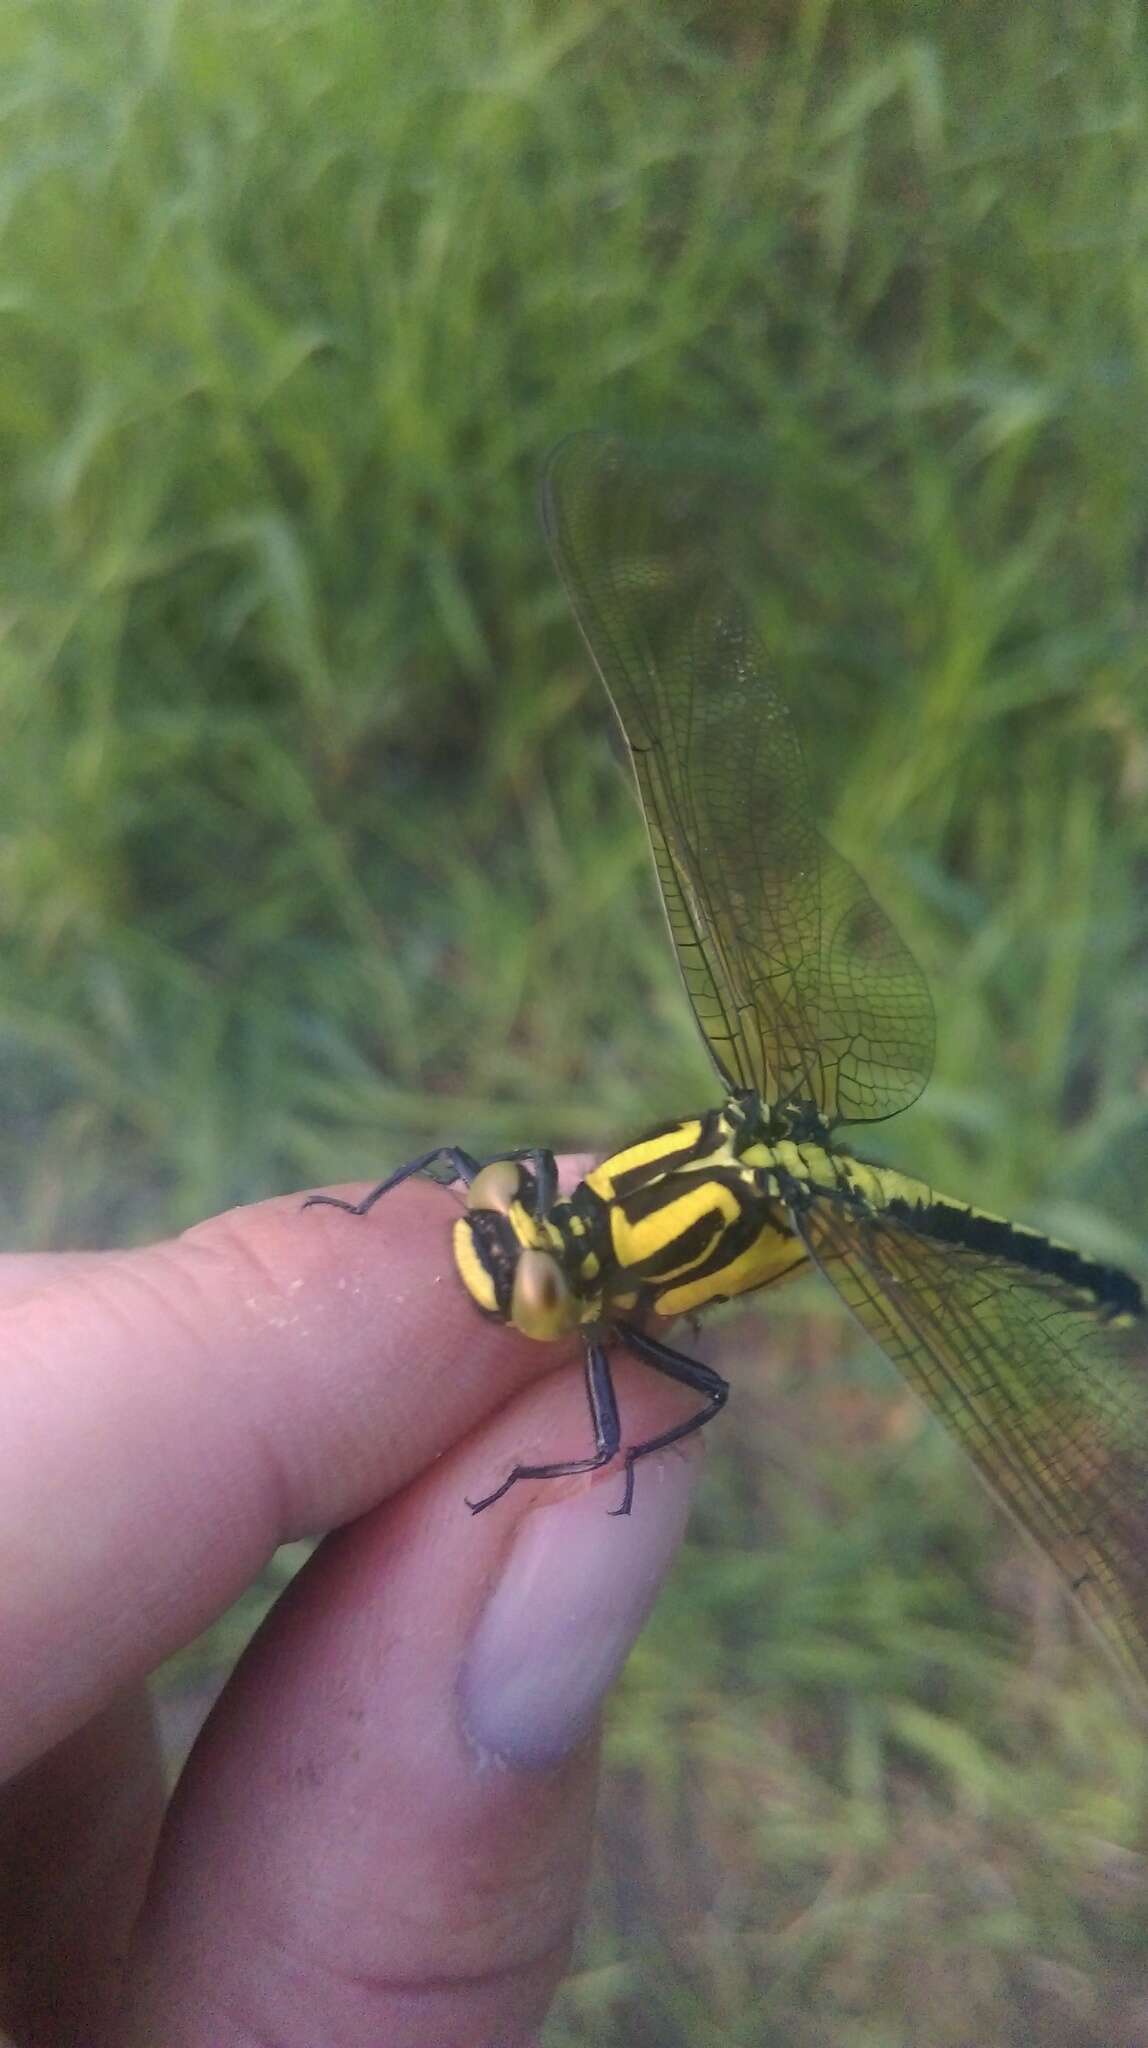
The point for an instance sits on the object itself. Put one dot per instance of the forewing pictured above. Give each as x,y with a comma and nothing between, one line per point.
800,984
1049,1399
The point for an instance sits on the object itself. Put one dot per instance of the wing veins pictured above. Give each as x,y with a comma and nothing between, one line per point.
831,1012
1072,1474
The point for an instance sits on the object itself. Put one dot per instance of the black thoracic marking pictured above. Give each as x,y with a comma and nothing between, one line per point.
949,1223
594,1241
650,1201
636,1178
733,1238
686,1248
755,1217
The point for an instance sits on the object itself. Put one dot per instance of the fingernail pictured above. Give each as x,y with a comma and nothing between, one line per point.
576,1589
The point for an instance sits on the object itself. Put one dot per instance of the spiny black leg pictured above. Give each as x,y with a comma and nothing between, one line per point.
544,1167
603,1404
463,1167
689,1372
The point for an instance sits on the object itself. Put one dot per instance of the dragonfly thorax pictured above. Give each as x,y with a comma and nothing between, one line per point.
686,1215
793,1120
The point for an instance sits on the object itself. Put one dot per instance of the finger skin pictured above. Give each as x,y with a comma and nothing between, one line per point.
169,1416
343,1863
29,1273
77,1835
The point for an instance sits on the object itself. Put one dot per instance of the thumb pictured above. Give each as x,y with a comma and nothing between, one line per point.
383,1834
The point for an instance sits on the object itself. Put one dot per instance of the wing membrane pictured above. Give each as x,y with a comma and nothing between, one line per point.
801,986
1049,1399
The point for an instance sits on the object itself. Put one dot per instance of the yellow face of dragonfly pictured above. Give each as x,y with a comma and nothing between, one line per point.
511,1261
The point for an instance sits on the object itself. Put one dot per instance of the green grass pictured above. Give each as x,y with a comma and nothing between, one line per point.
308,815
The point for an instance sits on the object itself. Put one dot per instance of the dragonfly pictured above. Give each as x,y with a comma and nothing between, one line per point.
816,1018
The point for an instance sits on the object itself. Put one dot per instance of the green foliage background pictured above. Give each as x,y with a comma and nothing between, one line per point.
307,812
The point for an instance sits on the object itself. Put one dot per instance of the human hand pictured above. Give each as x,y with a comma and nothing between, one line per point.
382,1834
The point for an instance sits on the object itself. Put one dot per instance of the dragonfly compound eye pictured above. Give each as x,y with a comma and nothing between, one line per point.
495,1187
540,1299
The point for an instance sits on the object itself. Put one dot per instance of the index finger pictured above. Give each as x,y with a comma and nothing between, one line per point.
169,1416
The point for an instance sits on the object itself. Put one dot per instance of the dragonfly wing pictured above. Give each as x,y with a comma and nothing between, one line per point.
801,986
1048,1397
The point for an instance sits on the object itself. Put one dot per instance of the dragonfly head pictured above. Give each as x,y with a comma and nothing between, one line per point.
510,1260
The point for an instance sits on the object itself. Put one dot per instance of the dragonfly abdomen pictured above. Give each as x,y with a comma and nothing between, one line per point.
949,1222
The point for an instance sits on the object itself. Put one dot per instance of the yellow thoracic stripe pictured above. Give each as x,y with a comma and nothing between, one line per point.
652,1235
648,1154
770,1257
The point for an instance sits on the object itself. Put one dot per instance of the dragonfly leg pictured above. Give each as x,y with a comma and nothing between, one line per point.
603,1404
462,1166
689,1372
544,1167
